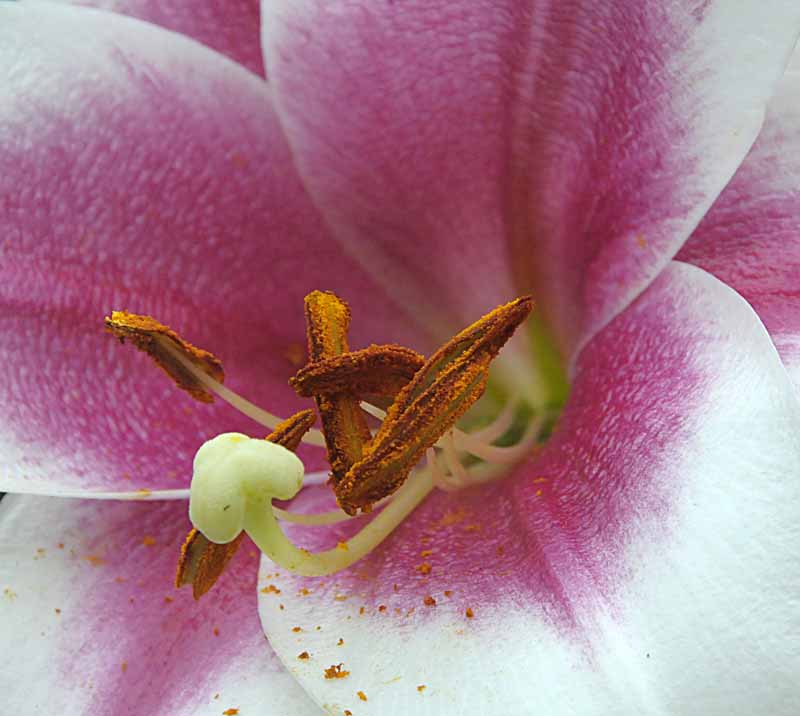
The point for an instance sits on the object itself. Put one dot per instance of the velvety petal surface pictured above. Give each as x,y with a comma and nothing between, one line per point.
470,151
92,623
751,237
643,562
142,171
228,26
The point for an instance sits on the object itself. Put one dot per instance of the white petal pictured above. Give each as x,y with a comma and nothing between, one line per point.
92,624
658,576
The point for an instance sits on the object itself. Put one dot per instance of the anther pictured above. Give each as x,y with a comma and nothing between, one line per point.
155,339
376,373
343,424
451,380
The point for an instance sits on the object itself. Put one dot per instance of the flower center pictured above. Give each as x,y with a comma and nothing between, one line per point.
392,466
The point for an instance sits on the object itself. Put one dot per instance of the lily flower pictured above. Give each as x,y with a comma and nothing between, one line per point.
427,161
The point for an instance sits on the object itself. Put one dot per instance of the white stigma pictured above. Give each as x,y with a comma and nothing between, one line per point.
232,471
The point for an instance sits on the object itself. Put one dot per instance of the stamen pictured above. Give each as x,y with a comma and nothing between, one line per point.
441,479
343,424
152,337
316,519
492,453
473,443
193,369
202,562
451,380
313,519
457,470
478,443
252,411
497,427
374,372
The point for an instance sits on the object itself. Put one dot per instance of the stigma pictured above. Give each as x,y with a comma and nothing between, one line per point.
385,469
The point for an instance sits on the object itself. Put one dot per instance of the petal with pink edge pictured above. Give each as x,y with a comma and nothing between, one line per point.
227,26
751,237
471,151
643,562
141,171
97,626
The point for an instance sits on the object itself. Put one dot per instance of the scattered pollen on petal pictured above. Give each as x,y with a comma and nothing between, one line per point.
148,335
335,671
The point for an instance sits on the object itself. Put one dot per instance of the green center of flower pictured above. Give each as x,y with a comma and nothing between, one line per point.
388,424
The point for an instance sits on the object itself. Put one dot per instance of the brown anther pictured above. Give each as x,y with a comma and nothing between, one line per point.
201,561
290,432
375,374
343,423
451,380
156,340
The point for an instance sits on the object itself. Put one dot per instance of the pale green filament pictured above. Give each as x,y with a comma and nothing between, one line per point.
261,416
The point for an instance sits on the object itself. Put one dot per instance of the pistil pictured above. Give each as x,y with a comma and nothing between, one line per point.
202,561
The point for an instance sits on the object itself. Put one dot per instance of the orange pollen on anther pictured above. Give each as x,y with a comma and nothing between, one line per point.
343,423
446,386
374,374
147,334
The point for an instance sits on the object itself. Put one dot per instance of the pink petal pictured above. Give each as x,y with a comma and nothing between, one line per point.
470,151
142,171
97,626
227,26
644,562
751,237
